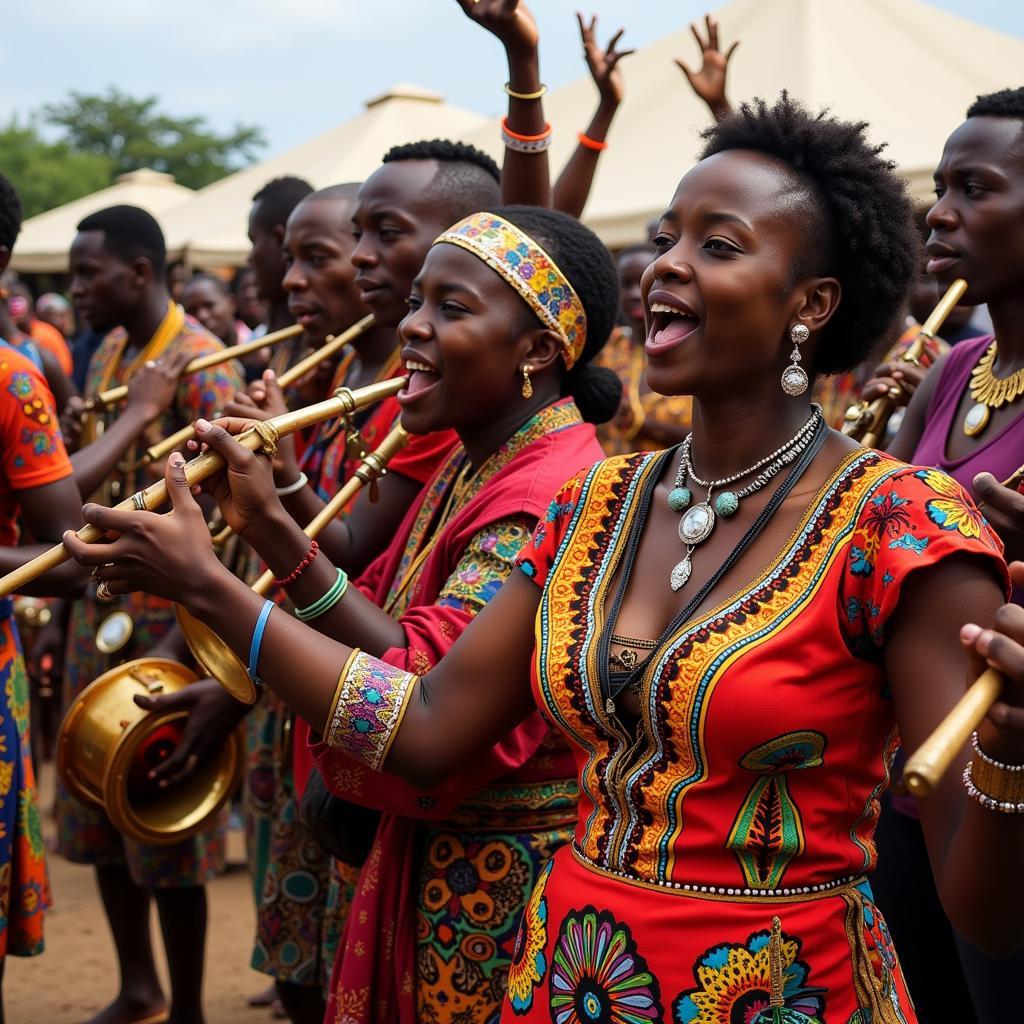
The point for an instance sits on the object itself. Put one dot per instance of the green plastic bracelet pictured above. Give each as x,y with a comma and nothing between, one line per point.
328,601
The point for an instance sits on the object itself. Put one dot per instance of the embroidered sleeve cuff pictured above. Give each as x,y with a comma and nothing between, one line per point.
368,708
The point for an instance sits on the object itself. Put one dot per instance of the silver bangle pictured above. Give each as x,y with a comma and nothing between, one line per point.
526,146
292,488
975,742
986,801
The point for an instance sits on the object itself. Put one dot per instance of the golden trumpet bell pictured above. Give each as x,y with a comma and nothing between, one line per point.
107,744
215,658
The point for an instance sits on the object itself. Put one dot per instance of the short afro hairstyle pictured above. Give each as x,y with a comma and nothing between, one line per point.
273,204
10,213
204,277
590,269
130,233
858,216
467,179
1007,103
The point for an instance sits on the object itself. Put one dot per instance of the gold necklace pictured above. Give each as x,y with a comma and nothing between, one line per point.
990,392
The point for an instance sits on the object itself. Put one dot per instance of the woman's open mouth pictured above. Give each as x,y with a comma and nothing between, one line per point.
422,379
671,324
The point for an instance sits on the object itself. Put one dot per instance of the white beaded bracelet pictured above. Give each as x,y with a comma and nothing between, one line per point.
988,802
976,743
292,488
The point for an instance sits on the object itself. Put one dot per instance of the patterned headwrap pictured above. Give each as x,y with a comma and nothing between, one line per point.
530,270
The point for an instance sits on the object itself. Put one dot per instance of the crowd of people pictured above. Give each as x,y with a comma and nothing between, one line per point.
593,708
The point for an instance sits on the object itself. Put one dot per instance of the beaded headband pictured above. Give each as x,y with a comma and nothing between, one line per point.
530,270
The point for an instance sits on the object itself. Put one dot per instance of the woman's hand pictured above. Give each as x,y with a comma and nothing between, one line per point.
244,491
1002,648
897,380
1004,510
213,715
153,386
263,401
603,64
169,556
509,20
709,83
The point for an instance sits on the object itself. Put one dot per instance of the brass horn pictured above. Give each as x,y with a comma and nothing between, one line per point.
105,399
107,745
212,654
866,421
263,435
331,346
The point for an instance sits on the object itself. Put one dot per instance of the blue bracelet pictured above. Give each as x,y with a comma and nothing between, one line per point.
257,641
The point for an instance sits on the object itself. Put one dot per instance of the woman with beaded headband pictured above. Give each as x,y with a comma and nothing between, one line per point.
505,316
727,633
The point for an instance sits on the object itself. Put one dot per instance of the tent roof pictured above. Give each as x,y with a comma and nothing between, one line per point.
211,229
43,243
908,69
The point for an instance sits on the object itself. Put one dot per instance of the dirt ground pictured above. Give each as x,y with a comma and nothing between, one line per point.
77,974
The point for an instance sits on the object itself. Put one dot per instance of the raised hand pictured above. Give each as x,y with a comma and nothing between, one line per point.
508,20
603,64
709,82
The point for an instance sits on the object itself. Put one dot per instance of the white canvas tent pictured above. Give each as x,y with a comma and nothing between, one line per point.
43,243
210,230
910,70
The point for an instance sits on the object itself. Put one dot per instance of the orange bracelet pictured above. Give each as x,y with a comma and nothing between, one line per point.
524,138
586,140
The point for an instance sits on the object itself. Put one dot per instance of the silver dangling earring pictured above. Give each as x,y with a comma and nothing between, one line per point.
794,377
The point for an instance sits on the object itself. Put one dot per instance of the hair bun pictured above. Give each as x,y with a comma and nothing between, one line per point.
595,390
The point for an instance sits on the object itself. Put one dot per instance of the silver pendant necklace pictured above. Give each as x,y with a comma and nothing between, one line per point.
698,521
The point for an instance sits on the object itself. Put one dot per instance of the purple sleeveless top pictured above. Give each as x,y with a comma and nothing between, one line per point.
1001,455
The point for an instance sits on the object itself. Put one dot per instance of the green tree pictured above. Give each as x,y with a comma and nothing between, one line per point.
48,174
132,132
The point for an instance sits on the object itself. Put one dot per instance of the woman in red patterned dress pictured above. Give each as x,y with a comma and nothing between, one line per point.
728,634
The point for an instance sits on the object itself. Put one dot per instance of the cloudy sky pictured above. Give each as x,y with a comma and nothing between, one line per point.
297,68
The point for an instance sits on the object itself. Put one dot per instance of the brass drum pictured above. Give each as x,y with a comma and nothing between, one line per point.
108,744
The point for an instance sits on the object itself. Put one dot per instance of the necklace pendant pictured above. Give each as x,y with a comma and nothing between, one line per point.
697,524
609,706
681,573
976,419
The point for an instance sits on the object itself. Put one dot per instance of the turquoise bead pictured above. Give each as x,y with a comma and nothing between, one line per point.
679,498
726,503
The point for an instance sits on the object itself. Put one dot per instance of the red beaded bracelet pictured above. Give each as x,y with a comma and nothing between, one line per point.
301,567
586,140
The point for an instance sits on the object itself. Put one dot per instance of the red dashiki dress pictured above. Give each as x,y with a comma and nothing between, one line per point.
302,893
85,835
717,872
32,455
434,916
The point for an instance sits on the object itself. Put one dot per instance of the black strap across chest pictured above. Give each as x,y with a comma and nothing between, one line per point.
613,684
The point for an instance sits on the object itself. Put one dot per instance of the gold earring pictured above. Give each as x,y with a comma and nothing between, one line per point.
527,383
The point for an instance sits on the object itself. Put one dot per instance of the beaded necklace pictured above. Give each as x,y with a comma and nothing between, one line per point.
698,522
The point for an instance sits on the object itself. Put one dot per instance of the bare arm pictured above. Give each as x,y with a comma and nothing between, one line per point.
450,717
525,177
710,81
975,853
60,383
48,511
575,181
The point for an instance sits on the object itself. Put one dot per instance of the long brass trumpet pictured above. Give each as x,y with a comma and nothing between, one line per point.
213,655
334,344
105,399
263,435
866,421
